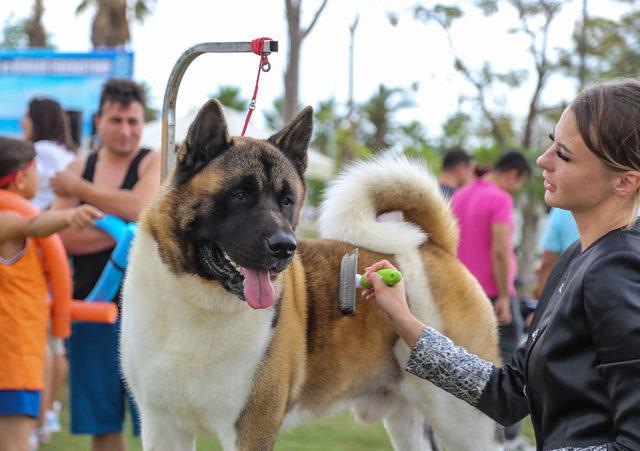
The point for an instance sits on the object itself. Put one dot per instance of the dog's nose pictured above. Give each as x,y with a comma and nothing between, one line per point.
281,244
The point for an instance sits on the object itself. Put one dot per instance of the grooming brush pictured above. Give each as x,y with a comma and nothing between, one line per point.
350,280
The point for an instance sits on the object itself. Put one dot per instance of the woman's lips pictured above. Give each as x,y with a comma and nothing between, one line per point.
549,186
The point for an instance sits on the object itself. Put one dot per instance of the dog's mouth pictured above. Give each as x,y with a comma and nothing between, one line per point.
251,285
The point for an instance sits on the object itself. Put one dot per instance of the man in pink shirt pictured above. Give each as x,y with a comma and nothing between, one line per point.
484,210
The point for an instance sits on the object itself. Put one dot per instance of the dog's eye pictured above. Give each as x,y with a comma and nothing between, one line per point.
239,196
287,200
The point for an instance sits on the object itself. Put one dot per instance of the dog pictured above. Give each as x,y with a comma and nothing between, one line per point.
231,325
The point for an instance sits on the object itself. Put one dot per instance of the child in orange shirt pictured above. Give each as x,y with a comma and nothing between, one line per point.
23,291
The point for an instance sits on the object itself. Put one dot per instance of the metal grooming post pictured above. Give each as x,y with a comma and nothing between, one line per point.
171,93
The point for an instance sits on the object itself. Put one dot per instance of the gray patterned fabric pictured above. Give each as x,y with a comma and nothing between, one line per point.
450,367
604,447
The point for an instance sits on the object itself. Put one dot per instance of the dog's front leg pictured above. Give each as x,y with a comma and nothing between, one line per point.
160,434
258,425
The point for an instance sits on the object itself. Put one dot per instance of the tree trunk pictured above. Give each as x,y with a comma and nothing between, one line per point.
34,29
291,76
110,24
532,210
296,36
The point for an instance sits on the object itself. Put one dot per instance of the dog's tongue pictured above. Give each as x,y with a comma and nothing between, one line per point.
258,290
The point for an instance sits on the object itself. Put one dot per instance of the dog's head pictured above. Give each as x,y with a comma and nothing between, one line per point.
233,204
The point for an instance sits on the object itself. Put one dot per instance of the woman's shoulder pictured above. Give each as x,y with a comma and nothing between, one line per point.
620,240
615,256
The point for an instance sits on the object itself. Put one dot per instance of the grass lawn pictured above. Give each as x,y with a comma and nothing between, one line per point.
338,433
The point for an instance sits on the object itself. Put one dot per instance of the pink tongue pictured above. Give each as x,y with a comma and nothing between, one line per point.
258,290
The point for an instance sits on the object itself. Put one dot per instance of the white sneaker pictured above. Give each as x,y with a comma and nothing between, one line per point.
518,444
52,418
33,441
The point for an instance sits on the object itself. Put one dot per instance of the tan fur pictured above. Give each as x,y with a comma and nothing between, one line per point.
433,215
466,311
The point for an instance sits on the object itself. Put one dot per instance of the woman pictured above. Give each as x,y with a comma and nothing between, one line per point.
47,126
578,374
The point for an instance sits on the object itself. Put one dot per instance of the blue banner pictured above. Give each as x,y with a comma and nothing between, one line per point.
73,79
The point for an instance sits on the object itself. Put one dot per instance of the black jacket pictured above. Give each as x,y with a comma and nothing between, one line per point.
578,374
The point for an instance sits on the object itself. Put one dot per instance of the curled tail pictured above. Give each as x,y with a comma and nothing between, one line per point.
353,202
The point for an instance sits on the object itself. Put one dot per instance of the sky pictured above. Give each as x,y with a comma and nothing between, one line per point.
394,56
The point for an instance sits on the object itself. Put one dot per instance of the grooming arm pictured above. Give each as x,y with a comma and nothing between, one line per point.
437,359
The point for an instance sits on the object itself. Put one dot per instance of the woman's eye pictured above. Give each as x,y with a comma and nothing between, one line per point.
239,196
562,156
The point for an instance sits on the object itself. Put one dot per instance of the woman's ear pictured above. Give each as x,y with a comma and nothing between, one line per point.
627,183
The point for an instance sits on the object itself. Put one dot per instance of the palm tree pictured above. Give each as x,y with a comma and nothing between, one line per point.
110,26
25,33
34,29
378,111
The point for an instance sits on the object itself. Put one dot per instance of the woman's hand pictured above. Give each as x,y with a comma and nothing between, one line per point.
393,301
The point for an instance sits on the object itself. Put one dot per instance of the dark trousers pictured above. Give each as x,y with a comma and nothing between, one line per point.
509,342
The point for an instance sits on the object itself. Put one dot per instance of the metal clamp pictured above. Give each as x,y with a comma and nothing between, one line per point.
167,146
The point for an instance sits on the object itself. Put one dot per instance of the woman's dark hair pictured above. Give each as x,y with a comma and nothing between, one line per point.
14,155
608,117
50,122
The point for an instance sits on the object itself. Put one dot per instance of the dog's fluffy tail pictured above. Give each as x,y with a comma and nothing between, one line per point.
355,200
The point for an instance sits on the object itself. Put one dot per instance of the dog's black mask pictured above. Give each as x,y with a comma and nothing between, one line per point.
245,223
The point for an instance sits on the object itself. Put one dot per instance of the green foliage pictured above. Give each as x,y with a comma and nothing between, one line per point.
456,130
150,113
274,117
14,34
513,78
378,112
612,48
430,156
230,97
141,9
315,188
486,155
488,7
445,15
326,122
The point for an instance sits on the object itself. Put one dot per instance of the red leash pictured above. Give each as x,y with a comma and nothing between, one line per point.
257,46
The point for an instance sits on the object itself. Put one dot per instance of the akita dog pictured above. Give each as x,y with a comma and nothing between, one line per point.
231,326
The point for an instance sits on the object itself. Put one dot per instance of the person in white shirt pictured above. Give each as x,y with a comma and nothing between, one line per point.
46,124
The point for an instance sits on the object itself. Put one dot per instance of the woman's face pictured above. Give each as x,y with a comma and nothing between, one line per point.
575,178
27,127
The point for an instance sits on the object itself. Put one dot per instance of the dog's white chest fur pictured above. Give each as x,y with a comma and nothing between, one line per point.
197,369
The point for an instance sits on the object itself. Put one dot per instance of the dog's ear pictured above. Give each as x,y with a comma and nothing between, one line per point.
206,139
293,140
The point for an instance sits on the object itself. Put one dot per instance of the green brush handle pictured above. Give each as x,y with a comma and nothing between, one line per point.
390,277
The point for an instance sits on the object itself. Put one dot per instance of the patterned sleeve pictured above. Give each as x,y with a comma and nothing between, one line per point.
496,391
437,359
